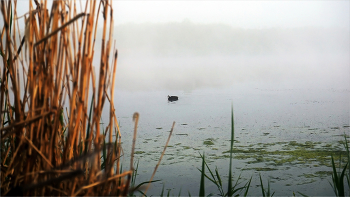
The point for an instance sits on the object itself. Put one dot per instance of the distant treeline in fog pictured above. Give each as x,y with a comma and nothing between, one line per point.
187,38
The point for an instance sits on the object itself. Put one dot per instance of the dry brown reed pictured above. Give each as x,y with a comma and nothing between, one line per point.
44,151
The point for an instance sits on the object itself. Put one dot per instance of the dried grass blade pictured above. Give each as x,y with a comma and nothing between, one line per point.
38,151
160,159
59,29
22,123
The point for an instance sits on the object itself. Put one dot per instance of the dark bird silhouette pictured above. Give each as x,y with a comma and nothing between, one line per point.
172,98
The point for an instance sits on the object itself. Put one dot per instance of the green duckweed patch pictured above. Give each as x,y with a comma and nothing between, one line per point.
312,129
308,175
182,134
324,173
220,157
261,169
307,181
327,145
208,143
139,152
288,153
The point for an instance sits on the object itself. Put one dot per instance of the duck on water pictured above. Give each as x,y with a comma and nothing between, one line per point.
172,98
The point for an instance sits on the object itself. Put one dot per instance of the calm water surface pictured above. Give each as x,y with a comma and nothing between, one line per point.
267,116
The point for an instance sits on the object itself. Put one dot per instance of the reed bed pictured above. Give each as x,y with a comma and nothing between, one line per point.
51,139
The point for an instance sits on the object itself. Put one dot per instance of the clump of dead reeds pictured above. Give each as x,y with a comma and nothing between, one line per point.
51,139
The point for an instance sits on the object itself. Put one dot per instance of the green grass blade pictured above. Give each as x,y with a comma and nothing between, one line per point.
338,181
11,20
268,188
333,185
211,173
262,186
346,145
206,176
162,193
335,178
341,181
202,186
233,190
104,155
133,179
212,179
239,177
218,176
146,182
179,193
120,171
248,186
231,147
134,173
88,126
168,194
143,194
304,195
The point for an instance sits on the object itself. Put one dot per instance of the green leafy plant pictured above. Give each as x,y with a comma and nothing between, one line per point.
338,177
216,178
138,187
338,180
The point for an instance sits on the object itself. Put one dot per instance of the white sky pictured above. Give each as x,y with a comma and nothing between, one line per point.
246,14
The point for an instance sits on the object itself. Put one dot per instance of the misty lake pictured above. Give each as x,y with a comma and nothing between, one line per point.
290,92
288,86
267,119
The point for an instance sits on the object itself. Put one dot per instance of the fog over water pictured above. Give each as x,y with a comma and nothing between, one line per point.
184,45
286,84
186,56
288,81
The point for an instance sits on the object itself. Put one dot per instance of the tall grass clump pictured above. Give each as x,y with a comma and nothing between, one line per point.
216,178
51,139
338,177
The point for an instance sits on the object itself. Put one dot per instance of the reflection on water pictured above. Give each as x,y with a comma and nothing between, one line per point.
267,118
